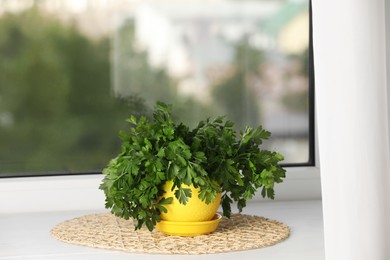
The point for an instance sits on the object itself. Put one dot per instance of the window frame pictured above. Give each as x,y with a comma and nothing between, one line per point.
80,192
311,125
313,152
57,191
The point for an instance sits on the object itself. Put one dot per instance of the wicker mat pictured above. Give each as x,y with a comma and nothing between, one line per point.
240,232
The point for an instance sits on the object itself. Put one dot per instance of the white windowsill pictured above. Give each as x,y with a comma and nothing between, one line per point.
27,236
30,207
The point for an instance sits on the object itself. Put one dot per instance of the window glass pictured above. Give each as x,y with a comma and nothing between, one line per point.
72,71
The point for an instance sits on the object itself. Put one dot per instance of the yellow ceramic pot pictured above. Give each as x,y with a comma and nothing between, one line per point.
189,228
195,210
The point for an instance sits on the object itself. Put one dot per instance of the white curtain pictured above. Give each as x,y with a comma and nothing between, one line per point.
351,97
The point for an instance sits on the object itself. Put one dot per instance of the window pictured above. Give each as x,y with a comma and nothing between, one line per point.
72,71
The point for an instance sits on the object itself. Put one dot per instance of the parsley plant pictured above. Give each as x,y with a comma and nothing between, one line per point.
212,157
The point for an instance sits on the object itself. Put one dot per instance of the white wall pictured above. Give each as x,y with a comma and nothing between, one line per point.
352,106
387,27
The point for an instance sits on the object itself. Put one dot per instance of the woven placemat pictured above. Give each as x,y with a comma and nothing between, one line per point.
240,232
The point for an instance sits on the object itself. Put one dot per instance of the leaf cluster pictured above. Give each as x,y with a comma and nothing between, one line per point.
212,157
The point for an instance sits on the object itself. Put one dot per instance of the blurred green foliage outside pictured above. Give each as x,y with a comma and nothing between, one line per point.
56,111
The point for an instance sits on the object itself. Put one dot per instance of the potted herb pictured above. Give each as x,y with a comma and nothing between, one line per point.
162,162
